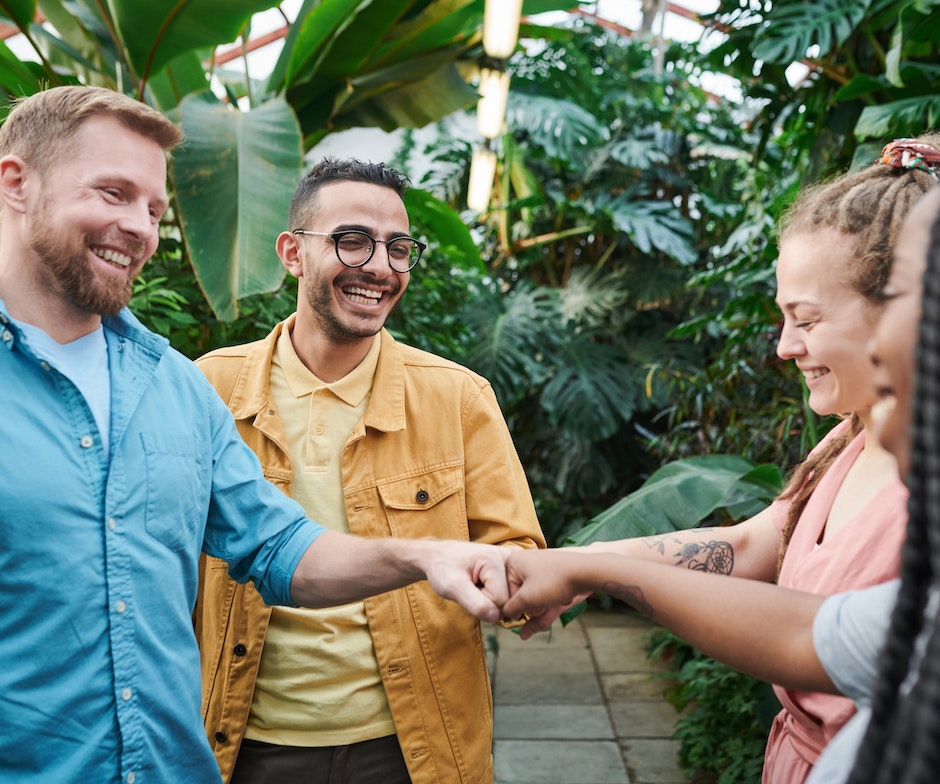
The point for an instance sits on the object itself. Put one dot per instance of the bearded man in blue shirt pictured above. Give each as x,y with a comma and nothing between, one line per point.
120,464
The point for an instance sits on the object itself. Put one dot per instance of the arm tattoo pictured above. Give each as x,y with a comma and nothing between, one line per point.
715,557
632,595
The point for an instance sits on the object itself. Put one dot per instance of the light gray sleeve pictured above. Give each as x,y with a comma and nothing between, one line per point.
835,762
848,633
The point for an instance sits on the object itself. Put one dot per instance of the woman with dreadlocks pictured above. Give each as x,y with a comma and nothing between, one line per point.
902,742
839,524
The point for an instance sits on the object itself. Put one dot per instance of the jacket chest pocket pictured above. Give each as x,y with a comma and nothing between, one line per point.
429,504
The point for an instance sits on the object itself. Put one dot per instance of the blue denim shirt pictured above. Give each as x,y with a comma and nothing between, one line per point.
99,669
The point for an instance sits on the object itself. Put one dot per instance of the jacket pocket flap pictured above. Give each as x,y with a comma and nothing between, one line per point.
422,491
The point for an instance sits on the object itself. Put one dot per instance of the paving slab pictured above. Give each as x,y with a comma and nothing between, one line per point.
550,762
582,704
558,722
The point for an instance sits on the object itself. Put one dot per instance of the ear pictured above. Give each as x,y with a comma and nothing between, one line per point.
288,251
15,178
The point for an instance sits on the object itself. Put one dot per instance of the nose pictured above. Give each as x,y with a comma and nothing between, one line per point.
380,264
789,344
137,218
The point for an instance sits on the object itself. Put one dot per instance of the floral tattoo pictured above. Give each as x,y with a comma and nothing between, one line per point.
714,556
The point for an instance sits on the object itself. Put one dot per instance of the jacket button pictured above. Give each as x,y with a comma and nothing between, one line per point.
221,736
240,650
422,497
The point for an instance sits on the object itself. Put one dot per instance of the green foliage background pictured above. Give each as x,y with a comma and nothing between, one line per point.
618,293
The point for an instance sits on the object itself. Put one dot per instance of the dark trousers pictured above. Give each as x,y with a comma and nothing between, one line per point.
369,762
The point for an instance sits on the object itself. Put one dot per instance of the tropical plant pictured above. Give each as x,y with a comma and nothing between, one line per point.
870,73
619,186
725,716
344,63
683,494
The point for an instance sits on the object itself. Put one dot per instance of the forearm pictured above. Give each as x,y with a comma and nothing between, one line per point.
748,549
700,549
755,627
338,569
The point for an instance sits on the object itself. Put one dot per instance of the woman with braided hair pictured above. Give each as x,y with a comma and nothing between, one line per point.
839,525
902,742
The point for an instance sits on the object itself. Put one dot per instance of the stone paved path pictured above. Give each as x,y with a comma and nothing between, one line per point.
581,705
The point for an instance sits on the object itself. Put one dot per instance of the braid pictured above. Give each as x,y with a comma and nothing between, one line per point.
868,205
900,743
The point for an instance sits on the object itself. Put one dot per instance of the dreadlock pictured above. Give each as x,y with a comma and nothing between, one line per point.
901,742
868,205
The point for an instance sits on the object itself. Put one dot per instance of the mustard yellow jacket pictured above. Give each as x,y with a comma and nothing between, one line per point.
431,457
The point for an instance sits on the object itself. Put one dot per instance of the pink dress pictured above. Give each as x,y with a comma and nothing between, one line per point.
866,551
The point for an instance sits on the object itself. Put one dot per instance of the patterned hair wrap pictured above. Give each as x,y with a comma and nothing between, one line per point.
911,154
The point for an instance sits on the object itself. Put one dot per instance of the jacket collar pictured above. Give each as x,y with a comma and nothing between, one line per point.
386,409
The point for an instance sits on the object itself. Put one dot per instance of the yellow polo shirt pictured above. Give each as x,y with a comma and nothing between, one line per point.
319,683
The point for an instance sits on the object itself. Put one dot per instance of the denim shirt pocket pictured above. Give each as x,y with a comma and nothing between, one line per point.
177,503
427,504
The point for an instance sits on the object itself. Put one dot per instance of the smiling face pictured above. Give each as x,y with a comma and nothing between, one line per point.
827,325
895,340
350,305
94,221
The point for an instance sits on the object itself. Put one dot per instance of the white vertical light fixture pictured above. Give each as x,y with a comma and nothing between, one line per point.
491,108
500,35
482,174
501,27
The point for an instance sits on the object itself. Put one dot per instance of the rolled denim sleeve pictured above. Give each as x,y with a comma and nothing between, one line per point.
253,526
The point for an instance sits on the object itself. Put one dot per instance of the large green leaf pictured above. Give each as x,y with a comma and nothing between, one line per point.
794,26
158,31
345,30
589,394
678,496
513,335
16,77
181,77
565,130
352,65
19,12
450,233
652,224
899,118
414,104
234,178
441,24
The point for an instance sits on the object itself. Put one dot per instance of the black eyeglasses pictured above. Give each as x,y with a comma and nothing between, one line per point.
355,248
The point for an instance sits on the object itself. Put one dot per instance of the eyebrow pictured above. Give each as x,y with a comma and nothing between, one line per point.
366,230
793,304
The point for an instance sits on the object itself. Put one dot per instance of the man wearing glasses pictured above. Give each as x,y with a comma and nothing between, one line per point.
378,439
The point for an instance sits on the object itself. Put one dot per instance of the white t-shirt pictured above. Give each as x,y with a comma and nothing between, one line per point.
84,362
848,633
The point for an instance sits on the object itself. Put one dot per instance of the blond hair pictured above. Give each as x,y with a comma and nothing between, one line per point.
869,206
40,127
